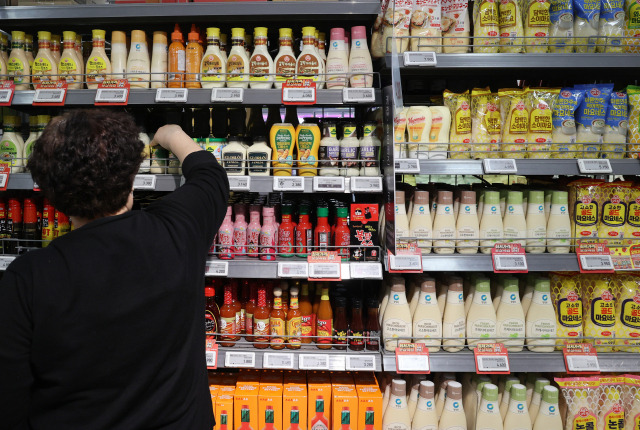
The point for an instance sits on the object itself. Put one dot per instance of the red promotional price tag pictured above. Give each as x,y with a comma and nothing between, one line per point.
7,89
491,358
581,358
112,93
594,258
509,258
412,358
324,266
50,93
211,352
5,171
299,92
408,259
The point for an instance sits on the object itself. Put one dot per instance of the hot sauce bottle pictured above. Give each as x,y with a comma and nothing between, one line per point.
261,321
342,235
319,422
373,326
322,232
294,321
308,318
228,319
304,232
286,233
277,320
356,331
340,325
248,313
237,306
324,322
211,311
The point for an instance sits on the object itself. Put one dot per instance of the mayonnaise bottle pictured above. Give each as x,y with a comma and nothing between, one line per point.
396,322
412,400
510,318
467,225
4,46
33,136
517,417
45,66
138,64
98,65
427,318
12,145
159,60
337,60
418,129
118,55
527,294
322,59
488,416
420,225
536,223
308,64
370,150
444,224
453,321
510,381
3,63
396,416
481,319
69,66
213,62
453,417
360,67
238,62
285,61
541,319
491,224
534,407
402,222
425,417
515,224
261,67
559,224
55,47
548,416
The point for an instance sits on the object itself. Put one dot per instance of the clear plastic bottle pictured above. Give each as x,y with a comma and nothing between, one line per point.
396,416
534,407
467,225
517,417
329,151
213,64
425,417
98,65
559,224
337,61
481,319
238,62
45,66
370,150
138,63
444,224
396,322
453,417
285,61
193,59
349,150
491,226
510,317
488,417
360,67
308,64
541,319
118,55
261,66
454,320
420,225
69,66
159,60
427,318
536,223
515,223
12,145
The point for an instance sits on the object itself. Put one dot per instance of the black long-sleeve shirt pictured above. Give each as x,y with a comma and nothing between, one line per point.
103,329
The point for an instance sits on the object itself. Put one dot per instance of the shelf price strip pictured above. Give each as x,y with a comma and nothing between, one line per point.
240,359
299,92
423,59
112,92
504,166
407,165
491,358
358,95
172,95
509,258
364,184
293,270
408,259
594,258
216,268
229,95
361,363
211,353
365,270
5,171
324,266
144,182
331,184
313,362
7,90
412,358
595,166
272,360
239,183
581,358
50,93
291,183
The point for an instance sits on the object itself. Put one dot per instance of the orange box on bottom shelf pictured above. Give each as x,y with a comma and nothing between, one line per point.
246,405
294,397
319,399
344,406
369,406
270,398
224,409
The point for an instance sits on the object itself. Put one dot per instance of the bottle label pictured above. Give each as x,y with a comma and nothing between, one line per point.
323,240
285,240
372,339
340,337
319,425
304,240
41,66
235,68
483,299
8,152
294,329
427,328
584,419
182,60
549,409
16,69
259,68
630,315
261,328
212,69
614,214
370,155
603,310
586,213
268,245
541,298
67,67
482,328
357,338
349,153
454,406
253,239
308,322
210,323
233,162
258,162
277,329
518,408
282,142
513,328
96,68
455,298
507,16
285,67
228,325
240,240
248,323
543,328
394,327
324,331
490,408
308,66
306,141
570,310
329,154
455,329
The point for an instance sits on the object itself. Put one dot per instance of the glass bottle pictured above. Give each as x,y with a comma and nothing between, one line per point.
319,422
340,325
373,326
211,311
253,231
225,237
239,230
261,321
277,320
324,322
248,312
237,305
308,318
294,321
228,319
356,329
268,235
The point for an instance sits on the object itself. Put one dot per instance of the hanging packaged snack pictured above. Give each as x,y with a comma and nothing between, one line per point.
632,27
616,125
628,314
485,26
561,30
581,396
510,22
590,117
540,106
455,26
611,411
611,26
459,105
515,124
377,48
586,22
633,92
567,300
536,25
564,123
426,26
397,19
439,134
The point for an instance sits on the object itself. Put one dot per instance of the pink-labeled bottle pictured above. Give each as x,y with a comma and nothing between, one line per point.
240,230
253,231
225,237
360,66
268,235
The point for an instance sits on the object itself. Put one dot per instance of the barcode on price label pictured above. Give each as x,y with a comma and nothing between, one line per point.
172,95
324,270
216,268
510,262
405,262
358,95
303,95
5,261
288,184
420,59
240,359
293,270
212,358
239,183
5,95
272,360
362,183
500,166
413,363
233,95
365,270
582,363
111,95
328,183
361,362
406,165
313,362
594,166
144,182
488,363
596,262
55,95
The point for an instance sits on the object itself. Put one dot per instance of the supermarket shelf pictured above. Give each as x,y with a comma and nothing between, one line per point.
482,262
200,96
310,11
524,361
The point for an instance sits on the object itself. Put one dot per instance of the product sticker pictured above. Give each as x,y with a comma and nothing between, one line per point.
412,358
509,258
50,93
7,90
299,92
491,358
112,93
581,358
324,266
594,258
570,311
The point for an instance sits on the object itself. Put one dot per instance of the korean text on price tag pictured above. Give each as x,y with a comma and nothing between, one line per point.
112,93
216,268
324,266
313,362
7,90
366,184
509,258
361,363
211,352
277,360
288,183
412,358
240,359
593,166
50,93
408,259
293,269
331,184
5,171
358,95
229,95
504,166
5,261
491,358
594,258
172,95
239,183
299,92
428,59
407,165
144,182
581,358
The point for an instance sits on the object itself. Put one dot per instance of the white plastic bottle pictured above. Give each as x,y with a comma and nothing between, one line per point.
517,417
536,223
402,222
118,55
98,65
497,288
45,66
559,224
412,400
69,66
238,62
159,60
370,150
337,61
488,416
396,416
453,321
491,226
534,407
285,61
427,318
214,63
360,67
349,148
309,63
425,417
418,129
541,319
138,64
548,417
481,320
453,417
258,156
12,145
514,221
33,136
234,155
467,225
261,67
510,317
420,225
510,381
329,151
444,224
396,322
527,294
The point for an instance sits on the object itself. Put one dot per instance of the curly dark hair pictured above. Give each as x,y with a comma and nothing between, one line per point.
86,160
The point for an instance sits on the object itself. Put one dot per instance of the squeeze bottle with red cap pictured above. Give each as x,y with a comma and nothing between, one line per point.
177,60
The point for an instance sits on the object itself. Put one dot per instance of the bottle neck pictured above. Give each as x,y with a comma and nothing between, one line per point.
237,41
98,43
304,218
228,295
260,41
277,303
69,44
285,42
262,298
308,41
213,41
294,303
44,44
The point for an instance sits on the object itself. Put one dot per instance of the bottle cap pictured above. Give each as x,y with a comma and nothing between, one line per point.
421,197
468,197
193,35
483,285
455,284
138,36
535,197
28,38
454,390
322,37
160,37
177,34
398,288
308,31
237,33
491,197
543,285
213,32
209,292
445,197
260,31
490,392
98,34
342,212
277,292
69,35
482,381
323,212
399,197
44,35
510,283
359,32
286,209
559,198
399,387
286,32
518,392
427,390
550,394
428,285
540,384
337,34
514,198
17,35
118,37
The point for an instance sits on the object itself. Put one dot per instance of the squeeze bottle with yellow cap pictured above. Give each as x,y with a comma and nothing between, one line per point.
138,63
45,66
4,46
261,66
159,60
69,67
98,65
213,65
18,64
194,58
12,145
285,61
238,62
177,60
308,64
55,47
28,49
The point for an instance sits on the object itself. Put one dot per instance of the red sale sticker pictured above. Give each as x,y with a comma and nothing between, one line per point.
7,90
412,358
509,258
299,92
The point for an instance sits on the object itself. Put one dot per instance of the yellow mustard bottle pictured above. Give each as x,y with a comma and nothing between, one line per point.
308,142
283,142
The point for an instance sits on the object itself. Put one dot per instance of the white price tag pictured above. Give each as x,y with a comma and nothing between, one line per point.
505,166
295,95
5,95
212,358
172,95
288,183
293,270
144,182
239,183
233,95
366,184
216,268
361,362
413,363
493,363
35,186
583,363
405,262
407,165
420,59
334,184
313,362
337,363
111,95
358,95
596,262
510,262
240,359
4,177
49,95
594,166
5,261
273,360
365,270
324,270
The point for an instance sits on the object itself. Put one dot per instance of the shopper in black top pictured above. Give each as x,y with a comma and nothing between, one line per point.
103,329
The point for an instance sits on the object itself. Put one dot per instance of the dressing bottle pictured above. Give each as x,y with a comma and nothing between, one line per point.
427,318
4,45
515,224
491,226
517,417
559,224
324,321
481,320
444,224
159,60
534,407
453,417
308,64
396,416
467,225
442,393
453,321
213,62
258,157
349,146
177,60
370,151
45,66
488,417
541,319
425,417
261,66
412,400
329,151
28,50
55,48
396,322
193,59
402,222
285,61
238,62
420,225
322,60
360,67
277,320
510,317
138,64
337,60
118,55
98,65
506,395
234,155
33,136
548,417
69,66
322,46
11,144
536,223
527,294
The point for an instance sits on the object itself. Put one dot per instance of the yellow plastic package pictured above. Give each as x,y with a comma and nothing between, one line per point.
515,123
485,124
540,107
632,226
584,209
632,26
613,198
511,30
628,314
567,300
631,401
485,26
611,411
599,303
633,133
582,397
537,21
459,105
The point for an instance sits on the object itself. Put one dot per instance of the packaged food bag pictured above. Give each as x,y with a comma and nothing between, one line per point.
613,199
611,26
485,26
584,209
628,314
561,29
564,123
586,22
633,92
616,124
459,105
632,26
377,50
599,304
582,397
510,23
536,25
611,413
631,401
590,117
516,123
632,227
455,26
397,20
426,24
567,300
539,135
485,124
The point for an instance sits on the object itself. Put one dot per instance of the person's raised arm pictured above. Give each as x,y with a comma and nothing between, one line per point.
173,138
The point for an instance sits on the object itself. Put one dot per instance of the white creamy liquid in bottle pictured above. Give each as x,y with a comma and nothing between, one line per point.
498,288
425,416
370,150
515,224
467,224
396,415
261,66
349,148
412,400
527,294
285,61
45,65
442,394
118,55
427,318
399,133
238,61
329,152
360,67
444,224
559,224
510,317
548,417
453,322
481,320
537,398
491,224
536,223
337,60
69,67
470,289
517,417
159,60
309,63
214,63
506,395
396,322
441,290
420,225
418,130
453,417
402,222
488,416
138,64
541,319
